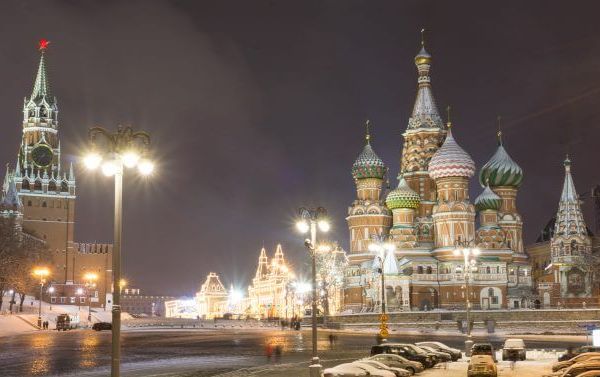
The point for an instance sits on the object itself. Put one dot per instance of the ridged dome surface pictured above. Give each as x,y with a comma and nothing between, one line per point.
402,197
368,165
488,199
451,161
501,170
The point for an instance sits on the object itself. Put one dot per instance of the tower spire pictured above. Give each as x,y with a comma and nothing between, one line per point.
448,122
423,38
41,86
569,219
499,132
368,134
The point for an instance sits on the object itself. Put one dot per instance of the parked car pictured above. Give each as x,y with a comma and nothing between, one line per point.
373,371
99,326
398,361
514,349
483,349
439,346
482,366
420,350
401,349
578,368
345,370
398,372
440,355
67,321
572,352
577,359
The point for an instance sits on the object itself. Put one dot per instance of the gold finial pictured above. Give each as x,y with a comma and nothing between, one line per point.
423,37
499,132
368,135
448,122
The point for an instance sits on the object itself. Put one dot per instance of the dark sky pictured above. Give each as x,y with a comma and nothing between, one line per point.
257,108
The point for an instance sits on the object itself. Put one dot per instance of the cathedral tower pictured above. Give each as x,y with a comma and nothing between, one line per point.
368,214
45,187
422,138
453,214
403,202
504,177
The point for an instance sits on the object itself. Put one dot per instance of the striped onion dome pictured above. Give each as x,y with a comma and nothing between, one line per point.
402,197
501,170
488,199
368,164
451,160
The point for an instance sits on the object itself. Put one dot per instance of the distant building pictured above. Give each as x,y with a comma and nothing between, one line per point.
212,297
184,307
135,303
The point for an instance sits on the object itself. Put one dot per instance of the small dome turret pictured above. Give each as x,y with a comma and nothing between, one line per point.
501,169
368,164
403,197
488,200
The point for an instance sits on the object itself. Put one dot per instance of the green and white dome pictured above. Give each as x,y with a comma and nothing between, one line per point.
501,170
402,197
488,200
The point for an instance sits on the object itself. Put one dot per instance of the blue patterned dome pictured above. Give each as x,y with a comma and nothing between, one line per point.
402,197
368,164
488,199
501,170
451,160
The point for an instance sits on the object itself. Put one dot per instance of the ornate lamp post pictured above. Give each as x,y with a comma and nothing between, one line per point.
310,220
123,148
468,250
90,284
381,245
41,273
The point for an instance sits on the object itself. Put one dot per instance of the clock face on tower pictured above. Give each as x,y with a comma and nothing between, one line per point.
42,155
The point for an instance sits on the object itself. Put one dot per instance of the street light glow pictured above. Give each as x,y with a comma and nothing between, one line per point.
90,276
302,226
41,272
374,247
51,290
79,291
92,160
130,159
324,225
145,166
109,168
389,246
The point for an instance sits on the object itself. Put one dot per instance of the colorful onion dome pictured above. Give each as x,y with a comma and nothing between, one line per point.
451,160
487,200
501,170
402,197
368,164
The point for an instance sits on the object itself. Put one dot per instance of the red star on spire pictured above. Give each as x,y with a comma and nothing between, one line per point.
43,44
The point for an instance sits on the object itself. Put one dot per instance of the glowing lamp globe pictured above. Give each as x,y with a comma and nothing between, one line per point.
130,159
109,168
302,226
145,166
92,160
324,225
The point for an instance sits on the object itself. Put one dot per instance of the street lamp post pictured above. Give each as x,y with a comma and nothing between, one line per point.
79,293
123,148
380,245
310,220
41,273
90,279
468,250
51,291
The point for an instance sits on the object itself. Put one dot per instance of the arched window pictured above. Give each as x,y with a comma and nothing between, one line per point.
419,269
52,186
488,270
429,270
44,204
491,292
64,187
29,203
25,185
37,186
573,246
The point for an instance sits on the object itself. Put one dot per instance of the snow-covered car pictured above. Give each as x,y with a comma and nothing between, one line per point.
578,368
345,370
439,346
404,351
398,361
440,355
577,359
374,371
483,349
577,351
514,349
482,366
398,372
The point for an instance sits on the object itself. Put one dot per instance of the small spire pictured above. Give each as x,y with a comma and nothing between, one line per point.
567,163
368,134
41,87
448,122
499,132
423,37
71,172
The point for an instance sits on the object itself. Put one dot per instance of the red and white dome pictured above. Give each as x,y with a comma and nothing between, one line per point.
451,161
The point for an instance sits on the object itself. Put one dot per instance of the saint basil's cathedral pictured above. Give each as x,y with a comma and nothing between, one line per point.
430,213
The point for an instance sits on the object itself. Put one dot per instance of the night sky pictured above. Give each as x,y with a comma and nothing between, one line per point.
257,108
